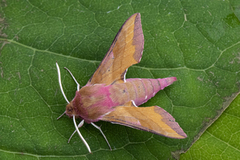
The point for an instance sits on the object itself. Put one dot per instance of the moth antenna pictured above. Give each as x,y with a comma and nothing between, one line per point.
99,128
60,82
79,126
61,115
78,85
80,135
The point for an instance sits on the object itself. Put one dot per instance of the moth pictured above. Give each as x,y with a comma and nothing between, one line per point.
109,96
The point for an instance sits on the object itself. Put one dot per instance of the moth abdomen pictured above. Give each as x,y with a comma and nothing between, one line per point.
144,89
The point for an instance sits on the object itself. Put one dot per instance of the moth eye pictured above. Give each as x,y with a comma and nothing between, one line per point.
70,109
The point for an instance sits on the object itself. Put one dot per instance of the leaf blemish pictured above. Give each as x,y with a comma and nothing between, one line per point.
200,79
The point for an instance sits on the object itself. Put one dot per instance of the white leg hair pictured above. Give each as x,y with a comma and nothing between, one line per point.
78,85
102,134
79,126
80,135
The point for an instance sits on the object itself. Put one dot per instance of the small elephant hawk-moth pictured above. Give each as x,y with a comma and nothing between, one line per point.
109,96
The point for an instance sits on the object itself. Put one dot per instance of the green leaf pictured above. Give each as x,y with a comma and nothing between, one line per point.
195,41
221,140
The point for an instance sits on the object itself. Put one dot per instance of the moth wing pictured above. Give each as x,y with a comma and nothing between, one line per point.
126,50
152,119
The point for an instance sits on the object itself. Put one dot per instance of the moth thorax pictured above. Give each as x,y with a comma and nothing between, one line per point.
70,110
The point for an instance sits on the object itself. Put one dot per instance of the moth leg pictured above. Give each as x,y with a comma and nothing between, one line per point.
79,126
80,135
102,134
78,85
60,82
61,115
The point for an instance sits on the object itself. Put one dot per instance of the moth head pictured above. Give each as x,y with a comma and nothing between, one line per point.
70,111
73,105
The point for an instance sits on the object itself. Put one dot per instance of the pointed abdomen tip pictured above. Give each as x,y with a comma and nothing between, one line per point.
174,79
170,80
166,81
